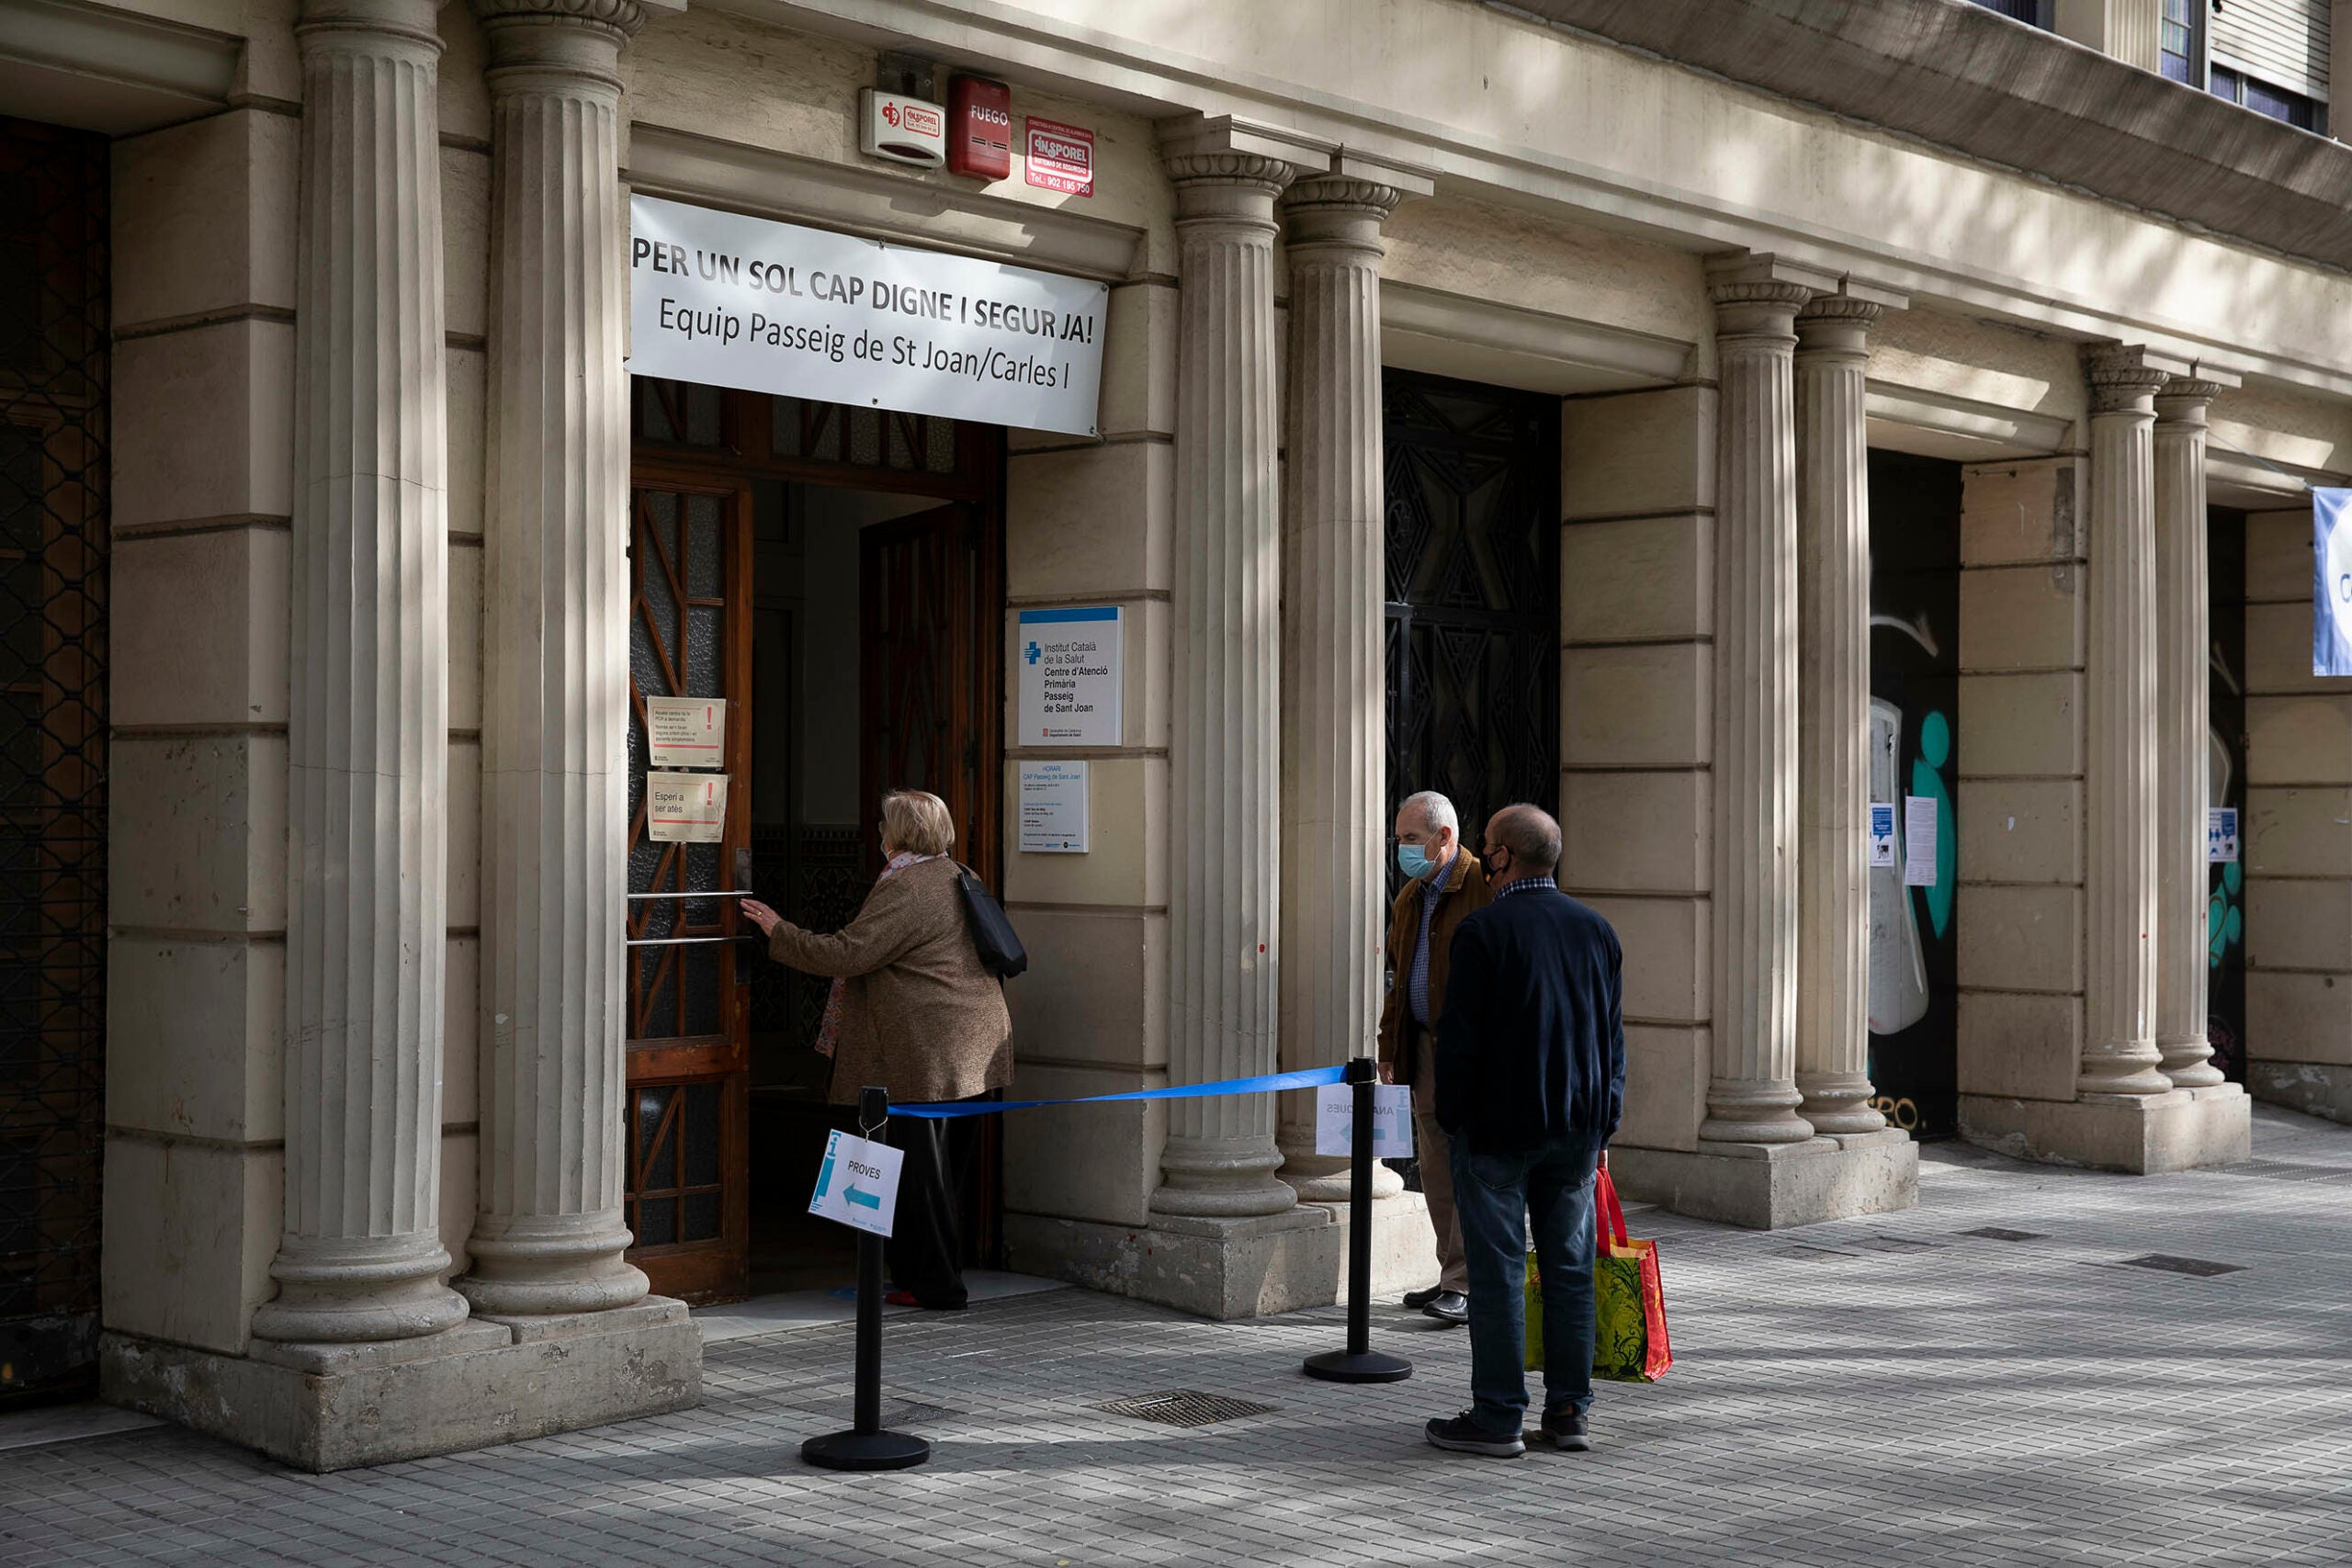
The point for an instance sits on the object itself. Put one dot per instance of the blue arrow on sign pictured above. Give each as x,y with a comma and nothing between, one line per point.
864,1200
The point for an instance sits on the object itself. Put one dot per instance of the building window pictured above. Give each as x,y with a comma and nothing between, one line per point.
2032,13
2176,40
2297,110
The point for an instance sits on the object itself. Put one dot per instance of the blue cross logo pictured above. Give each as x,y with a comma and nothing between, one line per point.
1032,653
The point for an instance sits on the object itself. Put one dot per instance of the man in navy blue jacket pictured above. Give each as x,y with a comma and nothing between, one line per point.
1530,1082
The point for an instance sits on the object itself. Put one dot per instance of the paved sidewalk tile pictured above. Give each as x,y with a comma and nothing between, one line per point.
1889,1390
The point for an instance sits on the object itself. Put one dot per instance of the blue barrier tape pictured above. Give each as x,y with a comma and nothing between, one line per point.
1310,1078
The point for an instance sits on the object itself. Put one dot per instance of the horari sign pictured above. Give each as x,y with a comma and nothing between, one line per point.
734,301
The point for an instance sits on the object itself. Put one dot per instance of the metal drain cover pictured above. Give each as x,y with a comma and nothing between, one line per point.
2198,1267
2002,1233
1186,1407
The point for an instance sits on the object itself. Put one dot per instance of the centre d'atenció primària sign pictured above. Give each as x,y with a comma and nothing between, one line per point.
735,301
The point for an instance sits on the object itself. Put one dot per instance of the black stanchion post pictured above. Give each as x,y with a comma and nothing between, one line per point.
866,1446
1359,1362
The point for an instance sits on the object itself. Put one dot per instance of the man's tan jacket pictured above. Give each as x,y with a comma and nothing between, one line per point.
1466,889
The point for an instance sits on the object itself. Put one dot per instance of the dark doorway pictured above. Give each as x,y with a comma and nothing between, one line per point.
2225,901
1473,555
1915,752
854,621
53,753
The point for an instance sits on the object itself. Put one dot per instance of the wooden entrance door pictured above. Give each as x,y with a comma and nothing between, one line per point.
709,464
931,681
930,607
688,1056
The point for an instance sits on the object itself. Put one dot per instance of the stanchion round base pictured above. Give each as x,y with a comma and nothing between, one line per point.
865,1450
1338,1365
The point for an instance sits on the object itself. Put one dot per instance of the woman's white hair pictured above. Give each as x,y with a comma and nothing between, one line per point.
1435,809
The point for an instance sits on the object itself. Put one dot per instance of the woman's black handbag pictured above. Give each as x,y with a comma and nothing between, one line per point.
1002,954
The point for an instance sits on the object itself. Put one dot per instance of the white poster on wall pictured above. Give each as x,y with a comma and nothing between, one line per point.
2220,835
1071,676
1919,840
1392,1121
1053,808
735,301
1881,832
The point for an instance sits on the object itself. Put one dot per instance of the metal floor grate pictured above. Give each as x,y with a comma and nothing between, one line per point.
2197,1267
1186,1407
2002,1233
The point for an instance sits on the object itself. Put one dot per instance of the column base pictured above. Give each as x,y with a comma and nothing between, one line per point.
2184,1129
2315,1089
1218,1268
322,1407
1774,1186
1404,1245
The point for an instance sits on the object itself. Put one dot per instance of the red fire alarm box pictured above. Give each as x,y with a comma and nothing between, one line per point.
979,128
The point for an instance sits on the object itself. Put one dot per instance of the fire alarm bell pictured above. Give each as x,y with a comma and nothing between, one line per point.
979,128
903,129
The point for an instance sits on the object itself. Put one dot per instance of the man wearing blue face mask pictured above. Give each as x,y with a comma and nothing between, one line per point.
1447,884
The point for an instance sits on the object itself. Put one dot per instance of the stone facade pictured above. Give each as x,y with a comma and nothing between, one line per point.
370,462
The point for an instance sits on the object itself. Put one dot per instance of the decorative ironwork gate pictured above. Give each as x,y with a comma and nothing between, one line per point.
53,752
1472,493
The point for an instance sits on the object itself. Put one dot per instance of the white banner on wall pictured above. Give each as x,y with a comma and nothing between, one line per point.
735,301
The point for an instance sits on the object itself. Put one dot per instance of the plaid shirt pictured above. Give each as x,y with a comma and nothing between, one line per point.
1417,983
1524,884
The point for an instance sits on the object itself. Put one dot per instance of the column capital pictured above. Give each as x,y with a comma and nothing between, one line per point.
347,24
1243,169
2183,400
1335,218
2122,378
620,16
1836,325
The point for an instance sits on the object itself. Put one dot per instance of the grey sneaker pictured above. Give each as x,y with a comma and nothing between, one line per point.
1465,1435
1564,1429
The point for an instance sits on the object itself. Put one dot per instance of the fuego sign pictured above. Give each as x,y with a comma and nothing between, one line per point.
734,301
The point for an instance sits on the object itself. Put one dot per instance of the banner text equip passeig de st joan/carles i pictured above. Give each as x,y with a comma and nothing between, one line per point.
729,300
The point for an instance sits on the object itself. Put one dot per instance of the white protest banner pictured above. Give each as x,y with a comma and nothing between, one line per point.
1918,841
858,1184
1881,832
685,808
1072,675
735,301
685,732
1392,1121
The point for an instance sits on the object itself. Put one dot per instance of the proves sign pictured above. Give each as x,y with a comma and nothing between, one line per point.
734,301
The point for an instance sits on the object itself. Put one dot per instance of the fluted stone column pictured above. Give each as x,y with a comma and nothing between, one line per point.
1834,715
2119,1055
1752,1096
1224,790
1334,739
2184,764
367,783
549,1237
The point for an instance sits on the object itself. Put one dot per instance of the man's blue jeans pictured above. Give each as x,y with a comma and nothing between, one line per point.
1494,1195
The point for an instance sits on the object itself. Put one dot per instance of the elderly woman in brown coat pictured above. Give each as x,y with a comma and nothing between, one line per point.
913,1010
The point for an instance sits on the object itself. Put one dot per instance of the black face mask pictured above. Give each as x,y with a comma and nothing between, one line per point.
1493,868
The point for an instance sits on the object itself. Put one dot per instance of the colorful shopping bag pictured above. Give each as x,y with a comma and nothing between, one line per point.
1629,1342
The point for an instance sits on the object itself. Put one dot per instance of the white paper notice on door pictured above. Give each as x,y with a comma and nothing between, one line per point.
1918,841
685,808
685,732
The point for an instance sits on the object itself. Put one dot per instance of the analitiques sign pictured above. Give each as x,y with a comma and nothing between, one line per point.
734,301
